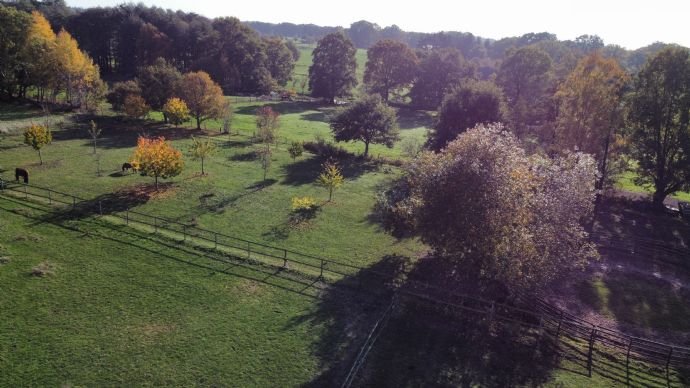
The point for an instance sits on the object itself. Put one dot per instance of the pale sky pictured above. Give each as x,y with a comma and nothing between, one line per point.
631,24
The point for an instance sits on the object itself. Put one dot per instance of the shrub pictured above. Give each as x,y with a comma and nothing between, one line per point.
136,107
303,209
176,111
296,149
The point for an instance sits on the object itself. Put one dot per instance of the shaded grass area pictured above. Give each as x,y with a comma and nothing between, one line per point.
627,182
424,346
232,199
120,307
641,301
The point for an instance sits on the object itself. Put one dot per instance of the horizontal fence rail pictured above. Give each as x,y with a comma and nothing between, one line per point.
538,315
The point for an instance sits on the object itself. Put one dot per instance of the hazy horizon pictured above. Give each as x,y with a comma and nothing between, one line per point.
631,24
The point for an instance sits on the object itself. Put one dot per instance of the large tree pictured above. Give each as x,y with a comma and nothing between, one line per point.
158,83
659,116
279,60
363,33
439,71
590,111
472,103
496,212
390,65
332,73
525,77
368,120
14,26
203,97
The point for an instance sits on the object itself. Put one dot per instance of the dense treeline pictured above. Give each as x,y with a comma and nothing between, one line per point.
124,38
486,53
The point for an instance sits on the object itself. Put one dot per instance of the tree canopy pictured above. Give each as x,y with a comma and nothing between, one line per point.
368,120
390,65
439,71
659,117
497,213
203,97
471,103
332,73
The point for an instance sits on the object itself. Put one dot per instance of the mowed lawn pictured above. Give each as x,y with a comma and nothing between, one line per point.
120,309
233,198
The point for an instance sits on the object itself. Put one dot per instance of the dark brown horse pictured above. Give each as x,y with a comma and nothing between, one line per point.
20,172
126,166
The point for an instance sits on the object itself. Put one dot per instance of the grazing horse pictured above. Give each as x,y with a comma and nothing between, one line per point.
20,172
126,167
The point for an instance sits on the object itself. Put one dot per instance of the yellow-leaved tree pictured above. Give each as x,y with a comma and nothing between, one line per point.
39,54
156,158
331,178
37,136
176,111
76,73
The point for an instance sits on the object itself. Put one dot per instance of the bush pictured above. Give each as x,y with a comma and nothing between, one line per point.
176,111
296,149
303,209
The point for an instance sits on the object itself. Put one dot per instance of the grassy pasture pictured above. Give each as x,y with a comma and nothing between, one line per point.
233,199
122,308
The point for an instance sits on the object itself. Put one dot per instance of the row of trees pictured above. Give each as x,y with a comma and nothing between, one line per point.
33,57
162,87
125,38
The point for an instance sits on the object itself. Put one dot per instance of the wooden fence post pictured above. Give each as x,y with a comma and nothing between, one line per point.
668,364
127,216
249,252
284,258
323,264
26,195
184,232
155,224
627,362
50,198
100,207
591,350
215,240
74,203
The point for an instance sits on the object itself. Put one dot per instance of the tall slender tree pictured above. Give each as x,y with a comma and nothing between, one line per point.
390,65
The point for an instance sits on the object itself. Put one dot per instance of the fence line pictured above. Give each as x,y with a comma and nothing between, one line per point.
541,315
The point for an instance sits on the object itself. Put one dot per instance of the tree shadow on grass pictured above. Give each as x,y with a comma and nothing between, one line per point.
117,132
285,107
105,204
245,157
410,118
422,345
307,170
639,302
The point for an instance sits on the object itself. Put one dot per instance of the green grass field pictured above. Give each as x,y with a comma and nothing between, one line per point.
233,199
121,308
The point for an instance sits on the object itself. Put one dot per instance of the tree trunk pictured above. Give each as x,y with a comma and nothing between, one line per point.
605,157
202,166
366,149
330,194
198,122
658,198
40,157
94,146
155,179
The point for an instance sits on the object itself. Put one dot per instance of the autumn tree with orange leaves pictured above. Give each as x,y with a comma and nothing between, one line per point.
203,97
156,158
